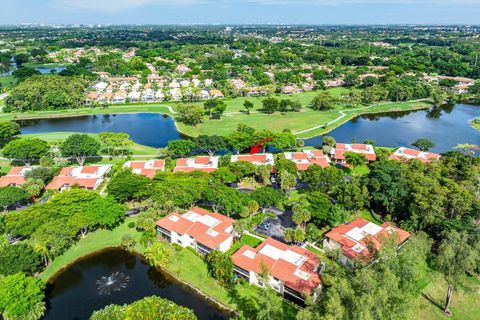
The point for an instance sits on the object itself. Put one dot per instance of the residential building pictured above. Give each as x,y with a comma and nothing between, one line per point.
354,240
148,95
215,94
202,163
134,96
303,160
159,95
181,68
257,159
15,177
406,154
146,168
334,83
294,271
199,229
88,177
338,153
119,97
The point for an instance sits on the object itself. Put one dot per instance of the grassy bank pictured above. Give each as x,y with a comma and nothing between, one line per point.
185,265
465,303
58,137
475,123
307,123
93,242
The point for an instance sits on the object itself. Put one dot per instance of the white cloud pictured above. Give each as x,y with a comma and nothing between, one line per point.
125,5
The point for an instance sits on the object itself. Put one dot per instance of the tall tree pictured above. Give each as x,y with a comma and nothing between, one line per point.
458,255
80,146
25,150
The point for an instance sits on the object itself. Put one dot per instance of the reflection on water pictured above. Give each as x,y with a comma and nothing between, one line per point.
446,126
115,277
149,129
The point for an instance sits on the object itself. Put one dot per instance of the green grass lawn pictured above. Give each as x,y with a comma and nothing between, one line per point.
357,171
367,215
465,303
93,242
8,81
57,137
245,240
298,122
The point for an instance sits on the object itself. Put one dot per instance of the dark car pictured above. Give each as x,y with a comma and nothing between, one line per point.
264,225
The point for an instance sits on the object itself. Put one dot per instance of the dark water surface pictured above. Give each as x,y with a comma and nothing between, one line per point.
149,129
447,127
75,293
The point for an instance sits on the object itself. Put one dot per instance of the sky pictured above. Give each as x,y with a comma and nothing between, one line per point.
240,11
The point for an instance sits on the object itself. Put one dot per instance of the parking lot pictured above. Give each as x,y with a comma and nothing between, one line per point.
276,225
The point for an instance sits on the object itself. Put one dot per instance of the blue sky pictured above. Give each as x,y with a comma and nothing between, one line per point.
241,11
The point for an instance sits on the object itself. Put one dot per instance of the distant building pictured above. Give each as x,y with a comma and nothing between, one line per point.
354,240
199,229
303,160
404,153
257,159
338,153
215,94
146,168
202,163
88,177
15,177
294,271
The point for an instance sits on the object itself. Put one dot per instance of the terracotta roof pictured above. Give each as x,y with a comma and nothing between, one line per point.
202,163
365,149
15,176
85,177
146,168
207,228
404,153
356,236
303,160
294,266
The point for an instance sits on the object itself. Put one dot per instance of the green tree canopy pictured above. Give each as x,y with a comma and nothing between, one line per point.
22,297
25,150
80,146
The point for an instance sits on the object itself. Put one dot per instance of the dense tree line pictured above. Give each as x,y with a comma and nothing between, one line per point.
47,93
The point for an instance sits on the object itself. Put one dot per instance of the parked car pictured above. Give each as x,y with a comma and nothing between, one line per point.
264,225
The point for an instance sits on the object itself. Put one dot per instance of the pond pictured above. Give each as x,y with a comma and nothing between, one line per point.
115,276
149,129
42,70
447,127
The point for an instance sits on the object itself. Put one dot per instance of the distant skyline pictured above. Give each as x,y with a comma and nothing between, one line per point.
240,11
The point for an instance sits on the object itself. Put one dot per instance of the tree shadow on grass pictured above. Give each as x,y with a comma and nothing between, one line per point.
245,304
432,301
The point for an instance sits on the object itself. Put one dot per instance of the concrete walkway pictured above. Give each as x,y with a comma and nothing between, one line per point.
344,114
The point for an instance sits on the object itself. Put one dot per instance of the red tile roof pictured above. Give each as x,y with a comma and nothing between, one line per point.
407,154
146,168
14,177
356,236
286,271
341,148
202,163
210,236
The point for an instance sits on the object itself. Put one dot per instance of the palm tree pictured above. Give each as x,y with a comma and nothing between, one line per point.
158,255
42,248
300,215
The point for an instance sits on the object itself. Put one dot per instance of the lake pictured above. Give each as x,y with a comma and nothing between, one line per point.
446,126
149,129
84,287
42,70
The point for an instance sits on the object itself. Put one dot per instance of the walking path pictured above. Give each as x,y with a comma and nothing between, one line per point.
343,113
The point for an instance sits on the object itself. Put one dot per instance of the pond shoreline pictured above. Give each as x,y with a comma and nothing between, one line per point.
219,306
150,109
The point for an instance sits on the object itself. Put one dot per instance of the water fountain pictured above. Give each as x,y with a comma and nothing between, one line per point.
114,282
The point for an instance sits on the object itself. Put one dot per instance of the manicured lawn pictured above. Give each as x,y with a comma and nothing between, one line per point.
57,137
357,171
465,304
367,215
298,122
92,242
305,124
246,239
8,81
